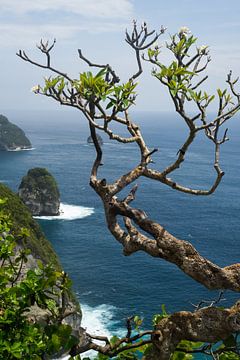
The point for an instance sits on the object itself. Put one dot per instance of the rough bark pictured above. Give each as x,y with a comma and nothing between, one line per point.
209,325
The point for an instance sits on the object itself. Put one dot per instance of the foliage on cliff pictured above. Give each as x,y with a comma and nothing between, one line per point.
22,218
40,177
32,306
39,191
11,136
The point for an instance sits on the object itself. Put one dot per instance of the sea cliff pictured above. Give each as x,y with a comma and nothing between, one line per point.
39,191
12,138
36,241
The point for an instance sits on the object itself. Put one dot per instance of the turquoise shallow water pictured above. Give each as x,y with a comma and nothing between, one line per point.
109,285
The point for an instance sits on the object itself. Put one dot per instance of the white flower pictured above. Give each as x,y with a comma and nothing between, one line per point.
184,30
35,89
202,49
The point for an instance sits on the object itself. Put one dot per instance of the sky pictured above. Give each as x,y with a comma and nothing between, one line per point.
98,28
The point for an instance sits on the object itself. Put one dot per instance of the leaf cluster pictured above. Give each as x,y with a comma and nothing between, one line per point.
180,45
95,89
175,76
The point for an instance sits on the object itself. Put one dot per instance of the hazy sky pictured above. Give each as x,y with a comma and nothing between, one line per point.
97,27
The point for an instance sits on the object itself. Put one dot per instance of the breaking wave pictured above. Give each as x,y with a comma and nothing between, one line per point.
97,321
69,212
20,149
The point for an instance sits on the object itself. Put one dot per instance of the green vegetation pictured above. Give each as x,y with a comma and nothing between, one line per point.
40,178
21,337
22,218
11,136
39,191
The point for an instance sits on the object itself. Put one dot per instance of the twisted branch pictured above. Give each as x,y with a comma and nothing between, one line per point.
139,232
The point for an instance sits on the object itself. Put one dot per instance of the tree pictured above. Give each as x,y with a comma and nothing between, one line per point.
104,101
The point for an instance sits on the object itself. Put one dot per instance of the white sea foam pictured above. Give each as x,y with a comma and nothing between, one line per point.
20,149
69,212
96,321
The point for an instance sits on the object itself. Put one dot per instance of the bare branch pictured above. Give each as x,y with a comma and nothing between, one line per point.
131,195
98,159
209,325
181,154
46,50
210,303
232,85
137,232
121,345
156,175
223,117
115,78
139,42
199,83
165,246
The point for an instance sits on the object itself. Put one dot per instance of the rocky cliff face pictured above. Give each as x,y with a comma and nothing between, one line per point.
12,137
40,248
21,218
39,191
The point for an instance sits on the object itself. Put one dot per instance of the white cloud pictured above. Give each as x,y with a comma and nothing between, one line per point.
17,35
26,20
26,35
91,8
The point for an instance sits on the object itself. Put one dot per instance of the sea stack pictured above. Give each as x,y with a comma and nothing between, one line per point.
39,191
90,140
12,138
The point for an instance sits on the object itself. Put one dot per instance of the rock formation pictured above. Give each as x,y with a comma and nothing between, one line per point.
90,140
12,137
40,248
39,191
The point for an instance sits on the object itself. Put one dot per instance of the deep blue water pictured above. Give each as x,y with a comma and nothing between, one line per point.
102,277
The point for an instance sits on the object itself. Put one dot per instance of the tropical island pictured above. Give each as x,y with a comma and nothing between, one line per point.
12,138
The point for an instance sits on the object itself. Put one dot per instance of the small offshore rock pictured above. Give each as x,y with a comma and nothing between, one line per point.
39,192
90,140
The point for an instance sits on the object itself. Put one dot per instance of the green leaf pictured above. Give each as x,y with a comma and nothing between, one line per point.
219,92
101,73
211,98
56,342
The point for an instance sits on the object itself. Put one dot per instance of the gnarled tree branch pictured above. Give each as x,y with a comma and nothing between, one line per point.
104,102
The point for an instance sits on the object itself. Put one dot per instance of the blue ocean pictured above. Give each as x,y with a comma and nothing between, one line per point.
110,286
